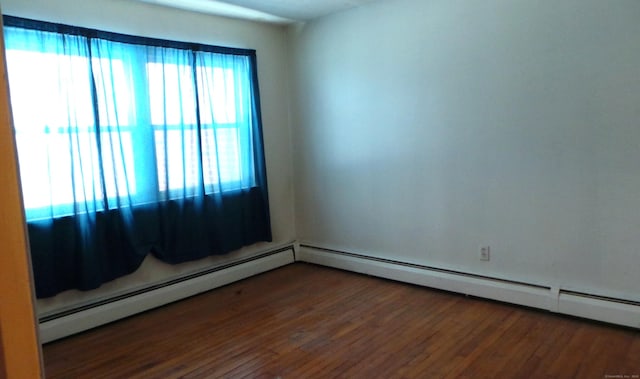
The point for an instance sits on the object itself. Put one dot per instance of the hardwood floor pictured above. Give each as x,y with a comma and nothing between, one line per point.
305,321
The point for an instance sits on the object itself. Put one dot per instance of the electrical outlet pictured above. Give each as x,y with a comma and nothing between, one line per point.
485,253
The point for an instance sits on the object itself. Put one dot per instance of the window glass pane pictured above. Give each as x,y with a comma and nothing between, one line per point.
217,95
67,162
221,157
116,104
58,84
171,94
117,164
209,160
115,100
57,147
178,159
57,136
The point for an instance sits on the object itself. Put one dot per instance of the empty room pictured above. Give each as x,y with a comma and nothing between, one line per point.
320,188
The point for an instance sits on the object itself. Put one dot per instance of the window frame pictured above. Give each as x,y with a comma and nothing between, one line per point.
100,130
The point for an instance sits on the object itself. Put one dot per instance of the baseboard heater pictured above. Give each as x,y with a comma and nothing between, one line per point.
71,321
600,308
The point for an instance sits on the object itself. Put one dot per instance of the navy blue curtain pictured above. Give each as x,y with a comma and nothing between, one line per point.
129,146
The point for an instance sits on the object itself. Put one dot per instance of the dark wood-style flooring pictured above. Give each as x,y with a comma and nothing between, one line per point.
305,321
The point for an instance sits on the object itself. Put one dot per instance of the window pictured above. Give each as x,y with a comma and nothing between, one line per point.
107,121
219,131
129,146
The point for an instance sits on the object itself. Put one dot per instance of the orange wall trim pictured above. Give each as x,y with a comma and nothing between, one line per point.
19,340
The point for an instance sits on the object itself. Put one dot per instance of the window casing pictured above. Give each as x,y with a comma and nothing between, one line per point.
144,123
130,146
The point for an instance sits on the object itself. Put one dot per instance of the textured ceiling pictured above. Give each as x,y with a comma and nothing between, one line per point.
300,10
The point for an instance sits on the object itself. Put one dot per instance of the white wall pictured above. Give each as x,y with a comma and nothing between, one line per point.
424,129
131,17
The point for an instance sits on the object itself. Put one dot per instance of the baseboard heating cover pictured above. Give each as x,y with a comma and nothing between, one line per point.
610,310
600,308
73,321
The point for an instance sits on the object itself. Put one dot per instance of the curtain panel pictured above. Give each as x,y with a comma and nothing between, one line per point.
130,146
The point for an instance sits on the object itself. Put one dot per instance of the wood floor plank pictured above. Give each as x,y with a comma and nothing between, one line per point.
306,321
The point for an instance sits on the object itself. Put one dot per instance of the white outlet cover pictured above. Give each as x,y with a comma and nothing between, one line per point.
485,253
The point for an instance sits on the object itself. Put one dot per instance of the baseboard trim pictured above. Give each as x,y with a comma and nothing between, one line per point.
615,311
605,309
77,320
610,310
